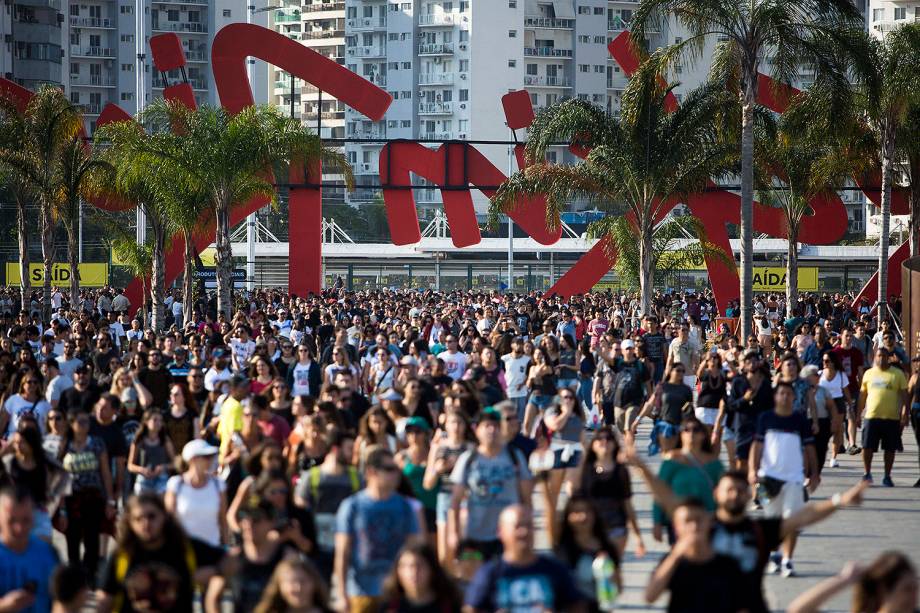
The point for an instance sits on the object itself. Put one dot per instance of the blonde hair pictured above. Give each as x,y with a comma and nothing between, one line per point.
273,602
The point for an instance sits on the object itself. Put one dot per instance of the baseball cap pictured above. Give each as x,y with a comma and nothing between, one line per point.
628,344
490,414
198,448
417,422
808,371
391,394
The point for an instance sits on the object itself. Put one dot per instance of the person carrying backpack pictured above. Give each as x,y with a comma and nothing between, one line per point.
322,489
488,478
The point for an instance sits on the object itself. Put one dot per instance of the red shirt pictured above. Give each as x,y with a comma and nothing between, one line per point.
275,428
852,360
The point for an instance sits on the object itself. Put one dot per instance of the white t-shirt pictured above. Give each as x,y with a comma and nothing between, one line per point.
176,308
242,351
17,406
516,374
212,378
454,363
56,387
836,385
198,509
301,376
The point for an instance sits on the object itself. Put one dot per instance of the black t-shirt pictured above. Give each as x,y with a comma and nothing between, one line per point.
714,586
247,580
160,577
712,390
113,437
73,398
157,383
630,382
674,397
545,584
404,606
749,542
654,346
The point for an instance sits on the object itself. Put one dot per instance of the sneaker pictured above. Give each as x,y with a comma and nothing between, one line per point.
853,450
867,477
887,482
833,463
774,565
787,570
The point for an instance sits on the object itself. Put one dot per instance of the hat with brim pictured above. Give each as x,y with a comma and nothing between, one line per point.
198,448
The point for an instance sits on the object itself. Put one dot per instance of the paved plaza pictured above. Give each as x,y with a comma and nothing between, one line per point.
888,519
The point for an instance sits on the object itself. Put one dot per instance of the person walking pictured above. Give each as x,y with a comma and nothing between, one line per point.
883,397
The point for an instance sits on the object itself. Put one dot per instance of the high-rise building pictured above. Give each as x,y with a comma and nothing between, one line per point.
32,52
883,16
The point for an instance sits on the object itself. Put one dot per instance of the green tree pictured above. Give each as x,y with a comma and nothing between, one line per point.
886,95
81,176
644,158
669,252
799,160
34,156
137,258
908,148
786,34
229,160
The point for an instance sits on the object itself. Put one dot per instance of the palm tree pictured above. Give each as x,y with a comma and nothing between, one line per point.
888,89
669,253
135,179
138,258
229,159
80,176
49,123
12,130
800,159
908,148
788,32
646,158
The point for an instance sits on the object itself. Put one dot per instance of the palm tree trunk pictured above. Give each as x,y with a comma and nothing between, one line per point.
888,144
224,261
157,275
73,252
188,281
25,282
646,272
47,223
747,202
914,223
792,270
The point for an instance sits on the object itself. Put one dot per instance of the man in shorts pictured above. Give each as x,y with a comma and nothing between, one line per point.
782,461
883,396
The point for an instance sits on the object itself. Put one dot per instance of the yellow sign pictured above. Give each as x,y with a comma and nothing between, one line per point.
774,279
91,275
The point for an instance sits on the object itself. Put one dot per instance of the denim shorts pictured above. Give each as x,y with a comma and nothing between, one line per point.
540,401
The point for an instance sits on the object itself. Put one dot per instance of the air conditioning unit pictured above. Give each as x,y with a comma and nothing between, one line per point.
462,105
437,60
421,92
463,76
463,47
421,35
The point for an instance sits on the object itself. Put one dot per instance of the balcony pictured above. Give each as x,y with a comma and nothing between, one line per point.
546,22
378,80
889,26
325,6
191,28
92,80
366,168
367,52
615,85
371,133
91,22
322,34
285,18
547,52
90,109
310,113
196,2
196,56
438,19
435,108
436,49
535,81
77,51
435,78
366,24
200,84
428,195
617,24
423,135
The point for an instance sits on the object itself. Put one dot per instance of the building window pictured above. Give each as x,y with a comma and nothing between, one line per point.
599,10
584,68
407,65
878,14
512,33
125,96
512,63
127,38
393,36
583,38
464,95
407,123
512,4
584,10
228,13
393,65
464,6
75,97
900,12
127,67
405,95
126,10
532,70
75,10
600,40
464,65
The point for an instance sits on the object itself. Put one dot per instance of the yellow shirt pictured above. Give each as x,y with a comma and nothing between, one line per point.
883,389
231,420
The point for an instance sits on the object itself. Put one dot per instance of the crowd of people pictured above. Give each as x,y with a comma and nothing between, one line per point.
387,450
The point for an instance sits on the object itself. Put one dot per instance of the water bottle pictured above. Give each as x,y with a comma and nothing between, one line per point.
603,568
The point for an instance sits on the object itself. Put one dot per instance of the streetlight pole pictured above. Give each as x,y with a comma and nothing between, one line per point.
251,218
511,223
140,95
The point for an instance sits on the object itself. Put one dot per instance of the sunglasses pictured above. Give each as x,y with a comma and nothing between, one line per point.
692,429
55,418
567,397
390,468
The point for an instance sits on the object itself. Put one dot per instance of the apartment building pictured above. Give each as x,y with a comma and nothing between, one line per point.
31,41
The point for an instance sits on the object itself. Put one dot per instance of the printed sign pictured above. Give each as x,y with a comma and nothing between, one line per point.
774,279
90,275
